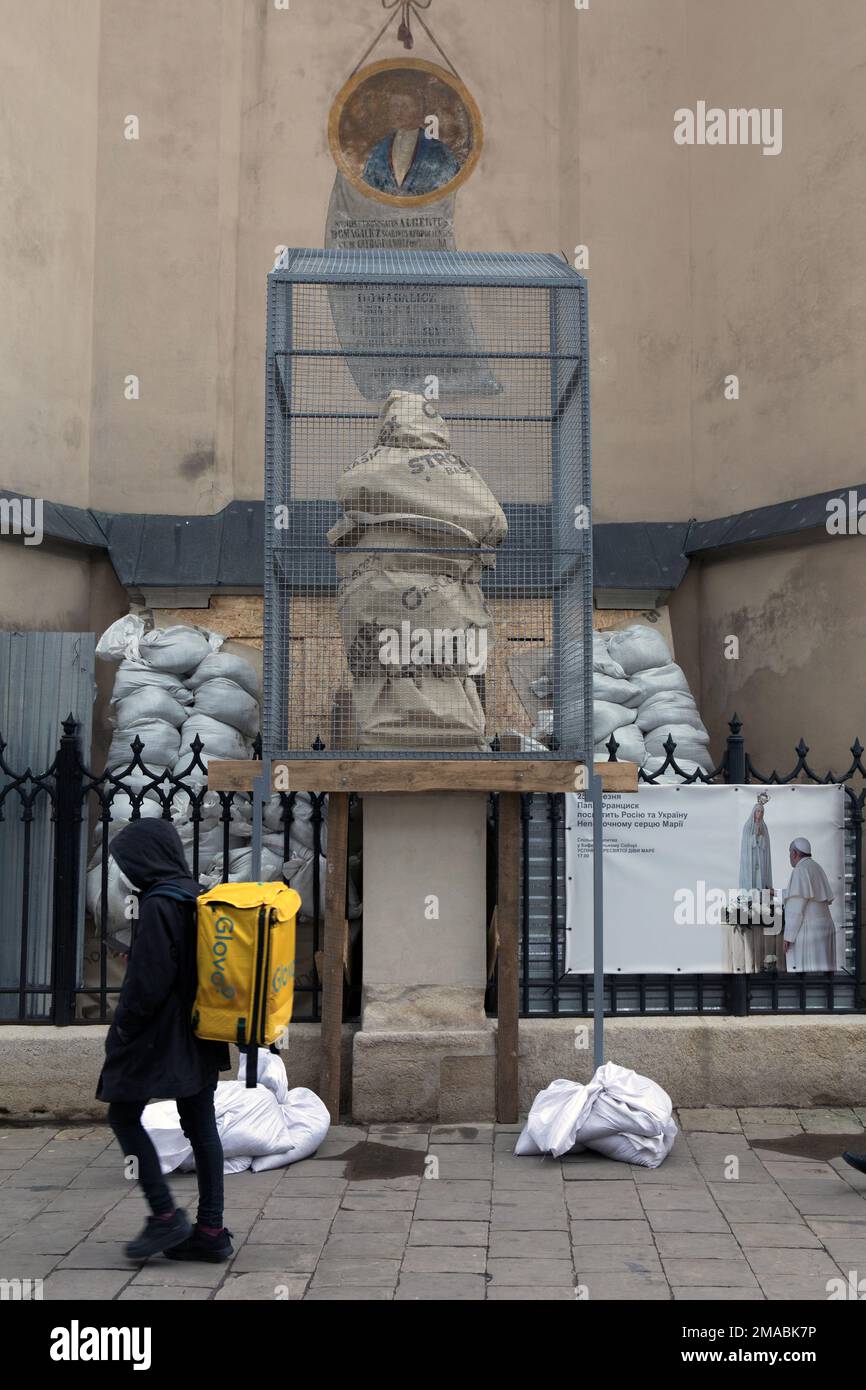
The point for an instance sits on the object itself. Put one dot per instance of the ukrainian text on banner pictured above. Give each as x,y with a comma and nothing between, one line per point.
700,879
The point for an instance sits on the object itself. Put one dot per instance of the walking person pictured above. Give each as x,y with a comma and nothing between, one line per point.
152,1053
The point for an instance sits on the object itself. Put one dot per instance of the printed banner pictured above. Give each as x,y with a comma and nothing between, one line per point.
704,880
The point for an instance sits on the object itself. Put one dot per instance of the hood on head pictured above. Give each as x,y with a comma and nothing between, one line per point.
149,852
408,421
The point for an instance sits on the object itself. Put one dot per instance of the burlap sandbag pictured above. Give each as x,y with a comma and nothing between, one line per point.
411,472
417,713
449,615
398,547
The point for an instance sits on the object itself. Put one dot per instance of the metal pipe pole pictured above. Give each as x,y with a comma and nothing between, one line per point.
597,924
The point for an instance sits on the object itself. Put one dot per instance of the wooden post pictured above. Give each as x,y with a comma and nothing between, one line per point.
335,934
507,918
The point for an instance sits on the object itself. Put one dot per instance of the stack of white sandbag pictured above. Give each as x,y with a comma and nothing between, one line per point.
260,1127
620,1114
640,695
150,699
171,684
225,714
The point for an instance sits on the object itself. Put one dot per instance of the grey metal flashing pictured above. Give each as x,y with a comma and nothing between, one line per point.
225,551
61,522
766,523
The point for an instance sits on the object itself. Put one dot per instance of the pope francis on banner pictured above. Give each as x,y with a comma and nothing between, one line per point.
810,935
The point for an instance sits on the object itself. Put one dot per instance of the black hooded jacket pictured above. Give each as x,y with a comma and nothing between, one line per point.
151,1051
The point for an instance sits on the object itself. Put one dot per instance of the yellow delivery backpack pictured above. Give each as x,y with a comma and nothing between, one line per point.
246,964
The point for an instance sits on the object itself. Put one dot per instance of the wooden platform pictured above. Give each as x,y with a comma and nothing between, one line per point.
421,775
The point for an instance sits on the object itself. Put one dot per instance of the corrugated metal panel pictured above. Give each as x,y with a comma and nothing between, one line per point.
44,676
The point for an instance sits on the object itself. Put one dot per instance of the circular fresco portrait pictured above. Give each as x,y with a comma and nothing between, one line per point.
405,131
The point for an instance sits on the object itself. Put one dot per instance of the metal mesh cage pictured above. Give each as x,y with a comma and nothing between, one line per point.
428,583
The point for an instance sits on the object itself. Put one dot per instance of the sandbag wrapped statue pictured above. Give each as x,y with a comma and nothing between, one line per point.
419,525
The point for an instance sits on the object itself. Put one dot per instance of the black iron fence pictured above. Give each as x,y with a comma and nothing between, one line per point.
546,990
61,964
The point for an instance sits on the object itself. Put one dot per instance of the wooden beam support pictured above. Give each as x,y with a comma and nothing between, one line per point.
335,948
421,775
507,921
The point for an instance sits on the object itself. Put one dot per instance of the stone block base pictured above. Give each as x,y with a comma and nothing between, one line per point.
430,1076
51,1073
447,1075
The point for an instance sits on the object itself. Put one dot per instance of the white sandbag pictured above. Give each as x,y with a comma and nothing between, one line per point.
301,827
194,777
602,661
240,1164
307,1121
267,1124
119,907
250,1124
210,844
542,729
161,743
525,743
162,1123
178,649
542,688
654,764
251,1121
658,678
228,666
617,692
241,865
121,640
619,1113
667,708
146,704
228,702
236,1165
299,873
688,751
690,742
270,1073
632,748
606,717
220,740
137,675
637,647
121,809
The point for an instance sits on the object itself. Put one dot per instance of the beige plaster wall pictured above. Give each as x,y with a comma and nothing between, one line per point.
800,616
49,59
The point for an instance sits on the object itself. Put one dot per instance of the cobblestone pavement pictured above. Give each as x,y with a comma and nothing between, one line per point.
719,1220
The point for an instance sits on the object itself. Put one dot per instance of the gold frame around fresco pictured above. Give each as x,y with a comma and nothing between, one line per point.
421,65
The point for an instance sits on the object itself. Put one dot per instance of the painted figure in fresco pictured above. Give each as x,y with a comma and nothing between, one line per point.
407,161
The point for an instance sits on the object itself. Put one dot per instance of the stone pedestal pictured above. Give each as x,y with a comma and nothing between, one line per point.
425,1050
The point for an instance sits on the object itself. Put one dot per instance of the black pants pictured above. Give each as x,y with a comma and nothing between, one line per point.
198,1123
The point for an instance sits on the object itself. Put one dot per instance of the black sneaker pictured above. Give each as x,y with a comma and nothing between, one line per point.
198,1246
857,1161
158,1235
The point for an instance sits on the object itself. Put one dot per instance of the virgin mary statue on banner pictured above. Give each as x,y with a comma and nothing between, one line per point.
745,940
